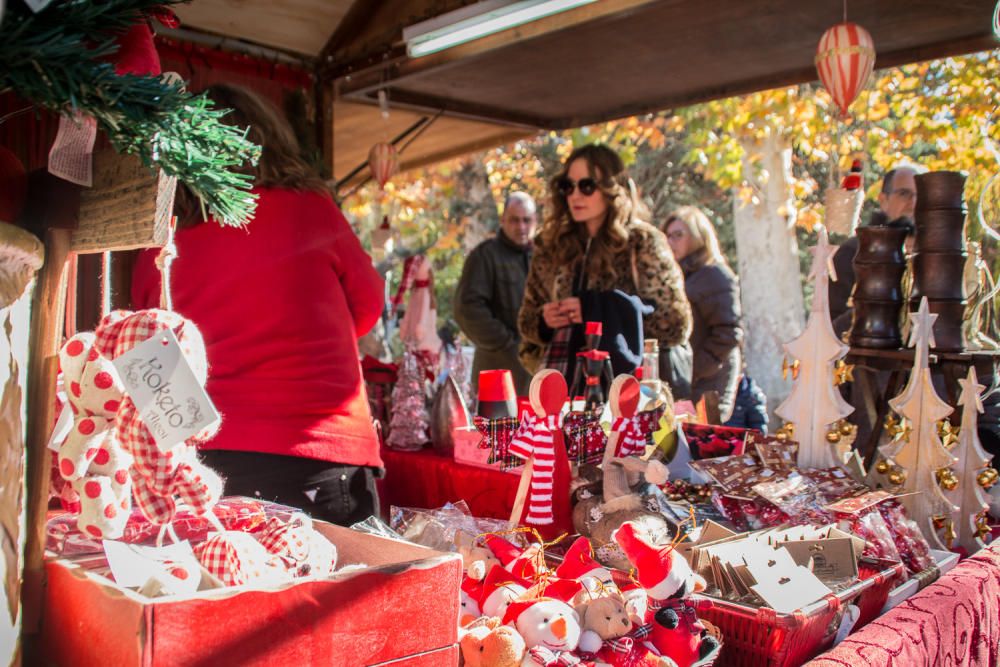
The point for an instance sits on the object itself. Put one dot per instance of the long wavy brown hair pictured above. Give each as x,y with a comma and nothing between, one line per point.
568,238
281,164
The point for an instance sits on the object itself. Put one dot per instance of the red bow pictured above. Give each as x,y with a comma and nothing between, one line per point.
549,658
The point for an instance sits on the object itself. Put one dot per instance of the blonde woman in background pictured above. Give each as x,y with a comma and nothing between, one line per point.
714,294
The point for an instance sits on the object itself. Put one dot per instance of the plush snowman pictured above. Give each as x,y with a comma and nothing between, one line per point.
579,565
550,628
526,563
499,590
470,594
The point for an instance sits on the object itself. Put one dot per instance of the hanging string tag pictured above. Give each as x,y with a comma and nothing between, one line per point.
169,398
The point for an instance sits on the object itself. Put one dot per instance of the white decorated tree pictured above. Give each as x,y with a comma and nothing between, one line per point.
814,403
973,461
922,454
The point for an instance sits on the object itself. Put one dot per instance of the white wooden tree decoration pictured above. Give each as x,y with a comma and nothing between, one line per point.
921,455
814,403
969,496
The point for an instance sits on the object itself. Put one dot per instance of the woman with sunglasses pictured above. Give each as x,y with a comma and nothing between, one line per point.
714,293
593,239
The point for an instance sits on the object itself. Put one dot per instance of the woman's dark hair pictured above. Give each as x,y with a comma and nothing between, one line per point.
567,238
281,164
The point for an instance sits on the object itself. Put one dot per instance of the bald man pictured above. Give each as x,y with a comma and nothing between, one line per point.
491,289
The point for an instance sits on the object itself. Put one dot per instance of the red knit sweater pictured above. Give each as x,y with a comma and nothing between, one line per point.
281,305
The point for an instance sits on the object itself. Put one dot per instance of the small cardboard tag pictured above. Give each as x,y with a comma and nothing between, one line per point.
832,560
859,503
787,589
171,569
63,425
166,393
72,154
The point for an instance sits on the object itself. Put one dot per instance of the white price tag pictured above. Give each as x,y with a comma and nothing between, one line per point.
62,428
72,154
166,393
174,566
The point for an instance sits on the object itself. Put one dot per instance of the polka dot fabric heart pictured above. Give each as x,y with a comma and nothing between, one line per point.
303,551
91,460
160,478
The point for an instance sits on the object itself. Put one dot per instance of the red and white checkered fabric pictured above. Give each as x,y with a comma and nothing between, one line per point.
303,550
540,655
237,559
159,477
631,439
536,439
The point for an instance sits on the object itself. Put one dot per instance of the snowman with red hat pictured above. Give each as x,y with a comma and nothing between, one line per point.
550,628
526,563
499,589
579,564
668,580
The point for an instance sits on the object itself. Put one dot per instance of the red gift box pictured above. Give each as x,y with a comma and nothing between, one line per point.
402,608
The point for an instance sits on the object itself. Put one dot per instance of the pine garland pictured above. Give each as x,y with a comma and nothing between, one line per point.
55,60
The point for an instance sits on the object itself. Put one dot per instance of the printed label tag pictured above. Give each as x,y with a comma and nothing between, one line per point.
72,154
166,393
63,425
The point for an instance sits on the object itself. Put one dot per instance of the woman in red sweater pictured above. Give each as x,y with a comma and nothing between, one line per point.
281,305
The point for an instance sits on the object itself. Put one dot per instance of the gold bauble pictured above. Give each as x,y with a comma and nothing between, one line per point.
882,467
897,477
833,437
781,436
846,427
987,478
949,482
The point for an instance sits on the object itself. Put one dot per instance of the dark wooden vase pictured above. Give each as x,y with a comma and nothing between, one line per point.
878,295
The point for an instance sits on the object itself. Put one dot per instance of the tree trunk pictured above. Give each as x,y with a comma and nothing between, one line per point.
773,310
473,205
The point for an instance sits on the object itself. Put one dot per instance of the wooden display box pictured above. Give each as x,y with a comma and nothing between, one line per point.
401,610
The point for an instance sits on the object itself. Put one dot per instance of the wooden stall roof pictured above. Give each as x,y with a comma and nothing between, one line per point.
604,60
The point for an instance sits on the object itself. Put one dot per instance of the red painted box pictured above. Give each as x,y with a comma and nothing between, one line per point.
401,610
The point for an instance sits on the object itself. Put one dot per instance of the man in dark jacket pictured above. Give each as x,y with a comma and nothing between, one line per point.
897,200
491,288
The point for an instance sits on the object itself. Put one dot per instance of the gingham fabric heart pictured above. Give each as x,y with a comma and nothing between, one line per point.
238,559
303,550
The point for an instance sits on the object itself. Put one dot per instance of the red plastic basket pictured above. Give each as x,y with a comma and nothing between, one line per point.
761,637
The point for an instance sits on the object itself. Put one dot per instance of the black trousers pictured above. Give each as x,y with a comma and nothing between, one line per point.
331,492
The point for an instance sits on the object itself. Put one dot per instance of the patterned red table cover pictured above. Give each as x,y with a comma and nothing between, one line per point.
954,621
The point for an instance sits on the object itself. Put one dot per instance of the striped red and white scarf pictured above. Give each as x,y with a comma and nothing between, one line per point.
631,439
537,439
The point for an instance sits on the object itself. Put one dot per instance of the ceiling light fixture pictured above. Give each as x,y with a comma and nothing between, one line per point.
478,20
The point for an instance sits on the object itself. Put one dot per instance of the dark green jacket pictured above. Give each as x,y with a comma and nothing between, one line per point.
487,301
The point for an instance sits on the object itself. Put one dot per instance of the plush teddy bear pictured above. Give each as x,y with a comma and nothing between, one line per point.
668,580
477,560
490,643
611,637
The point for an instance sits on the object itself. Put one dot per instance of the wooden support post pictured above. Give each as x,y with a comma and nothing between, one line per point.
43,367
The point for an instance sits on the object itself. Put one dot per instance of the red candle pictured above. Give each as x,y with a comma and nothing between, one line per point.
594,328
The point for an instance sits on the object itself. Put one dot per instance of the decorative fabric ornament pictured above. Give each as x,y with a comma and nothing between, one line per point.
579,563
159,477
536,440
409,423
845,59
383,161
418,329
631,438
303,550
238,559
91,459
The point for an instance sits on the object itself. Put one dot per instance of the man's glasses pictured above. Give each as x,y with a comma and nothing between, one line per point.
904,193
566,186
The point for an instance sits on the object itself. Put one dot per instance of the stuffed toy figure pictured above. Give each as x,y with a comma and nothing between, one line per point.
470,593
477,560
611,637
499,590
668,580
551,631
490,643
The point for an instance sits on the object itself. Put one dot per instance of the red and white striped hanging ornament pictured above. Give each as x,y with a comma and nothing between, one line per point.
383,160
845,59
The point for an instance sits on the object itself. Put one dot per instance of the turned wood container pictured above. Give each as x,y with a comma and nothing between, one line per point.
876,325
940,189
940,230
939,275
878,296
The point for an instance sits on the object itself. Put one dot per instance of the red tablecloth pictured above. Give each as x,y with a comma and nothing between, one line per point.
954,621
427,479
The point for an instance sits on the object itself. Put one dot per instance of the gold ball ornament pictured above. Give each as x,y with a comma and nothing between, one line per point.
897,477
982,526
833,437
987,478
882,467
846,427
949,482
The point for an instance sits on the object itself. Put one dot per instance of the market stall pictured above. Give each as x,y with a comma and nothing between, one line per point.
553,528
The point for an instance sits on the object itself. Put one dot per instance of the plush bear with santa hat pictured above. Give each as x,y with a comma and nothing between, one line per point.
526,563
499,589
579,564
668,580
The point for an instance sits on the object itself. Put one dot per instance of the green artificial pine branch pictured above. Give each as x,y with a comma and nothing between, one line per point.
55,59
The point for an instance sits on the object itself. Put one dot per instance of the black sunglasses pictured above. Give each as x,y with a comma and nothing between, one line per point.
566,186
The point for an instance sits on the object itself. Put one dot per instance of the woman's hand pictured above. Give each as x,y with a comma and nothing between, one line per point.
571,309
553,315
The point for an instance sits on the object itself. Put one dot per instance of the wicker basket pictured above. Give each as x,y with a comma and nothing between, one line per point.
843,209
761,637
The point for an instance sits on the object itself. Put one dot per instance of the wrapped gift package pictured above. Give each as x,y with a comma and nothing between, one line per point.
399,607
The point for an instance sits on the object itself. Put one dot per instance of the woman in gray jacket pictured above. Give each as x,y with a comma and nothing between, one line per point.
714,293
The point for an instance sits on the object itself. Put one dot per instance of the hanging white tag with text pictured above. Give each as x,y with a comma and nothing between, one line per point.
72,154
171,403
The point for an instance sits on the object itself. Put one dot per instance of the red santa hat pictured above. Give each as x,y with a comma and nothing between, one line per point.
473,588
578,562
561,589
496,579
654,564
520,562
